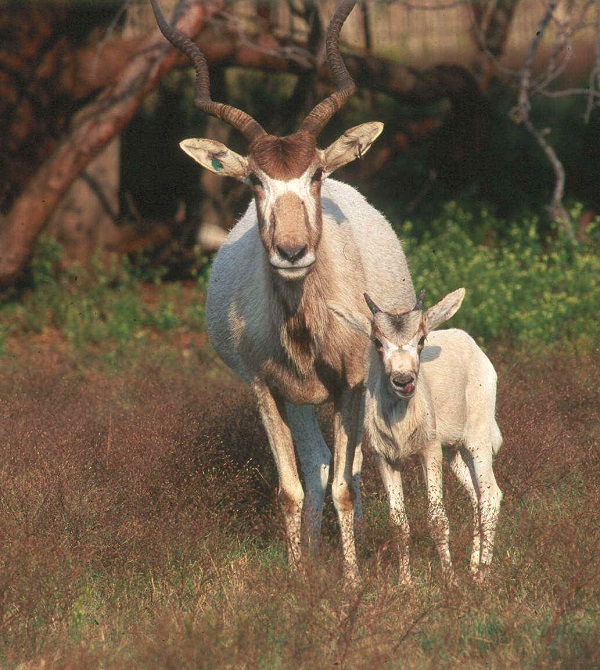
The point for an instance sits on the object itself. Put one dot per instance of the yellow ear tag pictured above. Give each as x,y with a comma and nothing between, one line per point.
217,165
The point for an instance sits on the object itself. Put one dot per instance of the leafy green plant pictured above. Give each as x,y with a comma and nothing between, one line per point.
523,290
114,307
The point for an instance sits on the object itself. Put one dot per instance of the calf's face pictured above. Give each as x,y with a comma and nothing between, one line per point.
399,337
399,340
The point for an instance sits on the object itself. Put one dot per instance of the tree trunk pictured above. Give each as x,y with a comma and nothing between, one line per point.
84,222
91,130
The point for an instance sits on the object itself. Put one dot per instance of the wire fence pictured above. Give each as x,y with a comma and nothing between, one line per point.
416,32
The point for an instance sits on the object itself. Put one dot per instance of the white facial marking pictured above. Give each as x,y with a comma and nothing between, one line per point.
275,188
413,351
389,348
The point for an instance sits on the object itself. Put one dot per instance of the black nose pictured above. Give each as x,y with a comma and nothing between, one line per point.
402,380
292,254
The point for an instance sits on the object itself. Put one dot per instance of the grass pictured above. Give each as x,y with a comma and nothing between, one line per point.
141,531
109,312
137,492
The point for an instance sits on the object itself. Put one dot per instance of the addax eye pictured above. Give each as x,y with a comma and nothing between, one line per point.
317,176
378,344
422,342
255,181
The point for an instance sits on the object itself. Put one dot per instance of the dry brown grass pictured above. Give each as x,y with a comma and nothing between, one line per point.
140,530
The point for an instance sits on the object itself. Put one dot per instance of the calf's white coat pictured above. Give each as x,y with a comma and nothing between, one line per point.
451,411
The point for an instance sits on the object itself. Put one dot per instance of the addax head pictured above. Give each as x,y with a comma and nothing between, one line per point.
400,337
285,173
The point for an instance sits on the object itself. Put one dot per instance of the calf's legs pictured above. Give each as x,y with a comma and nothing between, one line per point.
392,482
431,460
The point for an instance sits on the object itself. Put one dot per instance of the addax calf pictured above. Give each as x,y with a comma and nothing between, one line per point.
427,390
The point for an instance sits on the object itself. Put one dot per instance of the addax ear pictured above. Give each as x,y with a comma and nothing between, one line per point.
444,309
354,143
357,322
216,157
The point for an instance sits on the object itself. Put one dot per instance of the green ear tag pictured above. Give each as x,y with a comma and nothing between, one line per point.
217,165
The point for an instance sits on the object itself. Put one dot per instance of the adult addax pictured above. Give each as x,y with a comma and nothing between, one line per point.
304,241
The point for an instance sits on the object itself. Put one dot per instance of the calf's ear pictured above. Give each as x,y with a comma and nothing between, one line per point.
444,309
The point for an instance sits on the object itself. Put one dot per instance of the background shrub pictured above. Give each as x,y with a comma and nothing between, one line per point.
522,289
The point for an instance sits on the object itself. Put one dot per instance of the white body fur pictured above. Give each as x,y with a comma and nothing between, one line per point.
358,251
240,282
453,406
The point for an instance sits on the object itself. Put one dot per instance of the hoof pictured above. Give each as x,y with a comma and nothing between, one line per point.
406,586
481,575
297,569
360,528
405,580
450,579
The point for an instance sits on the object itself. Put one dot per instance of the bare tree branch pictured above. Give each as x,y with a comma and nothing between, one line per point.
520,115
566,92
595,73
556,208
451,4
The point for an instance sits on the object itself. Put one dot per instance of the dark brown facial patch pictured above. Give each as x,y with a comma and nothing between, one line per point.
399,327
284,157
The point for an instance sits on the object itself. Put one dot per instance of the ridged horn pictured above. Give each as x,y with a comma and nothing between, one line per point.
244,123
420,302
324,111
371,303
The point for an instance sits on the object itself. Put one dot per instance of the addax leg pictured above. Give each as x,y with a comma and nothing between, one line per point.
463,474
314,457
490,498
346,417
392,481
357,465
431,460
291,495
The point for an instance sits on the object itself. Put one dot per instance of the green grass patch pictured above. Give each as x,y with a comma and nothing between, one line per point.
523,289
110,309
